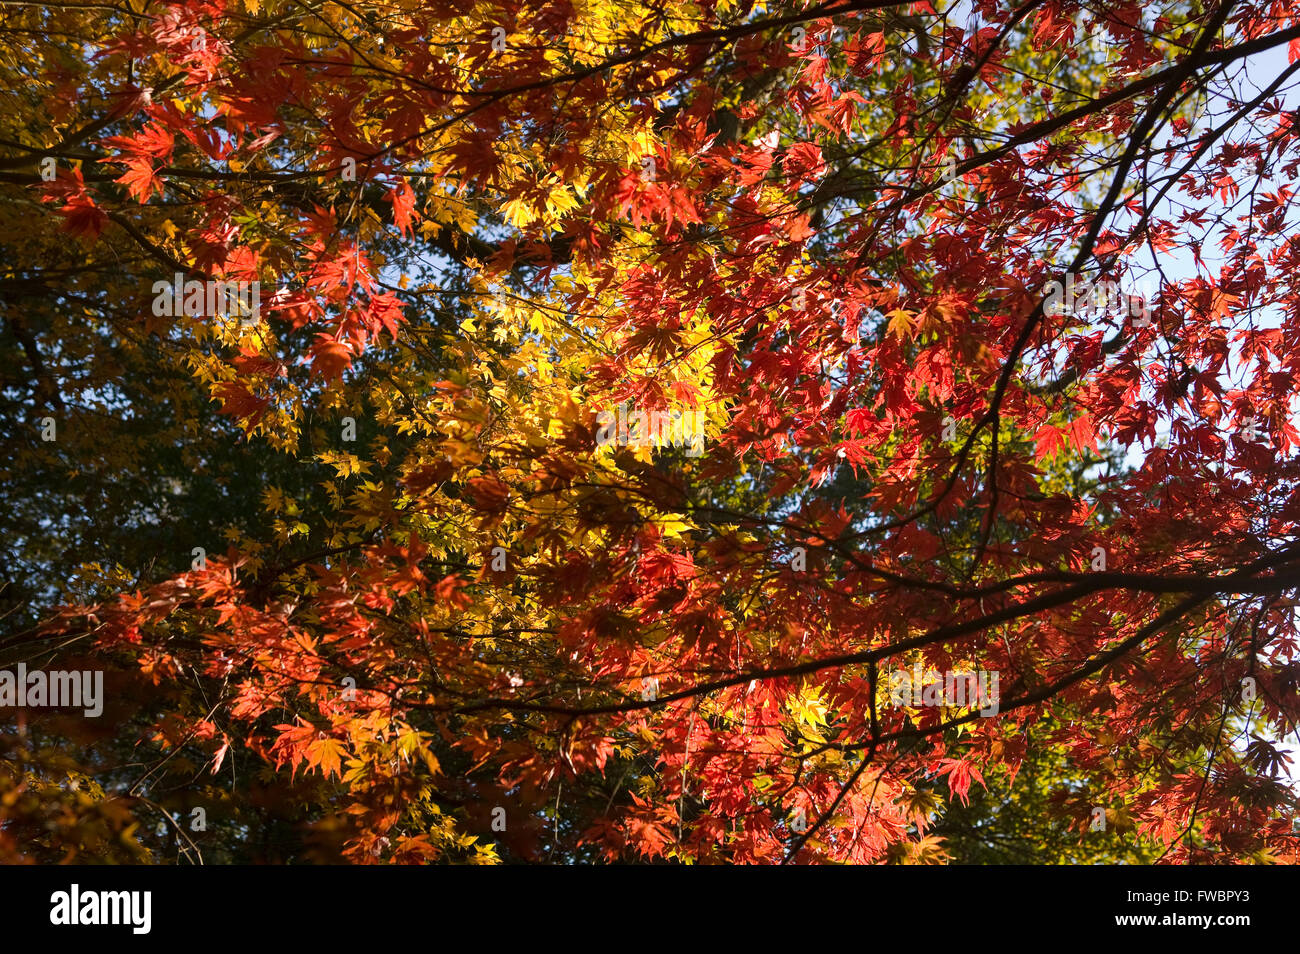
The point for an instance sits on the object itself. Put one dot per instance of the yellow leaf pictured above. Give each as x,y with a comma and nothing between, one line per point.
900,323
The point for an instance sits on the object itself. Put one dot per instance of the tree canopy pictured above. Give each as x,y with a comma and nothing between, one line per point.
699,432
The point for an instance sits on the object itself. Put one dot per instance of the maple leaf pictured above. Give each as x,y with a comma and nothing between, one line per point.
82,217
1047,441
327,755
330,357
402,198
140,179
239,402
959,774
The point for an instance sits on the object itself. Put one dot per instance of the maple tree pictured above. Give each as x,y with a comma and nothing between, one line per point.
365,562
